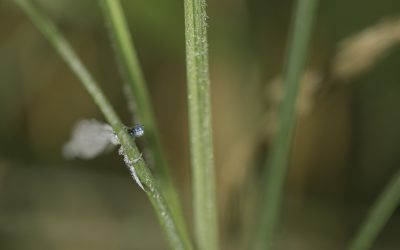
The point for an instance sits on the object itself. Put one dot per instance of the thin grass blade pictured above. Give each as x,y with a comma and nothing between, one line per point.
201,150
378,216
174,237
132,73
277,163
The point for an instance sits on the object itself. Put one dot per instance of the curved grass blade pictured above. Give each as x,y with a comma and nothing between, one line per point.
175,239
379,215
132,73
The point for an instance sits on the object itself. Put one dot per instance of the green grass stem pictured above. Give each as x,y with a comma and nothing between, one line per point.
132,73
378,216
277,163
201,143
174,237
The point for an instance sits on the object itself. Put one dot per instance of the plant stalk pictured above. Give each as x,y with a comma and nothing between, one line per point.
277,163
378,216
133,76
174,237
201,144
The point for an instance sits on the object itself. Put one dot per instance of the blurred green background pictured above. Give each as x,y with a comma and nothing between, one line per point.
347,143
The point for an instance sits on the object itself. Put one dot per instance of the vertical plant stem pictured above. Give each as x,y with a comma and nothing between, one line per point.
202,159
174,237
378,216
277,164
127,57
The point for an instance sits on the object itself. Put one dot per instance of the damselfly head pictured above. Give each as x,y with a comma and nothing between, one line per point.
136,131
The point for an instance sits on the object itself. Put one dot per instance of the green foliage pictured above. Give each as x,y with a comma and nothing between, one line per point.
277,166
202,159
175,237
159,188
125,50
379,215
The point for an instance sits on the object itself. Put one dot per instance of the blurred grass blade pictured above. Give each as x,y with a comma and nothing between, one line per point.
202,159
277,163
175,239
378,216
133,76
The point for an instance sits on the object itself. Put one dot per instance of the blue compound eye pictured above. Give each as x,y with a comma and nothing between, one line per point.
136,131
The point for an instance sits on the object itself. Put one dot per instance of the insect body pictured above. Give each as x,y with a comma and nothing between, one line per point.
91,137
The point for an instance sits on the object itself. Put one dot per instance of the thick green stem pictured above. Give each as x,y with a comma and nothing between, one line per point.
202,158
133,76
378,216
278,161
175,239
